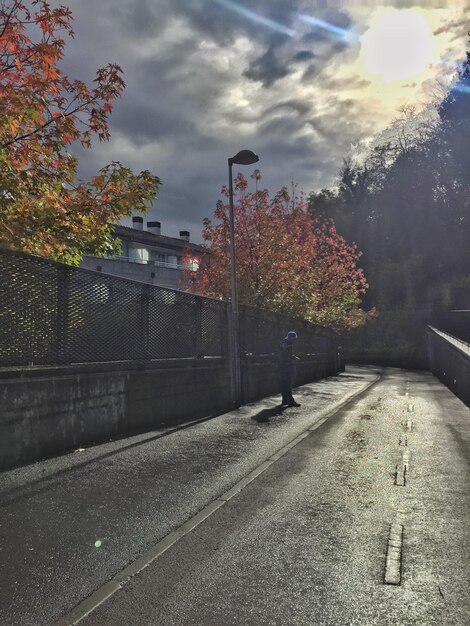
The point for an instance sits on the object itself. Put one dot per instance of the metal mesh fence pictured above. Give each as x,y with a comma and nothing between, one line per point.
261,332
56,314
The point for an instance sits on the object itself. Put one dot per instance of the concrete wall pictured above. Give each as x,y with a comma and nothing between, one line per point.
46,411
450,363
260,376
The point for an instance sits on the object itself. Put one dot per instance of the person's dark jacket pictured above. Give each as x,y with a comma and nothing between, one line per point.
286,355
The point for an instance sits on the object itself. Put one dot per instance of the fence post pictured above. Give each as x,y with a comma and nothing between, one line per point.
198,343
430,349
145,321
231,355
62,314
242,349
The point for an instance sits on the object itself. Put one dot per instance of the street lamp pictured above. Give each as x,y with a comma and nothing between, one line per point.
244,157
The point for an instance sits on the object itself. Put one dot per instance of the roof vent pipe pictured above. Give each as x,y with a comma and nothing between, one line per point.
138,222
184,235
154,228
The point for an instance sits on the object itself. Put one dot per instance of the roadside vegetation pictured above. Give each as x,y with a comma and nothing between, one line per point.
289,260
44,208
405,202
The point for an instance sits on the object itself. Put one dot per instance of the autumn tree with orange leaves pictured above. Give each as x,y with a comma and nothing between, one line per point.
287,260
44,209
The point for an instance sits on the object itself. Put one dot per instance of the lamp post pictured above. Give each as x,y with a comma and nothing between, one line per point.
244,157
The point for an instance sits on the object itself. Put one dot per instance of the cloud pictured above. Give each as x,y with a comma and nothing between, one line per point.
270,66
204,81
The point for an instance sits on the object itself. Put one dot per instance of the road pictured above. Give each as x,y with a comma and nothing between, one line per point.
308,535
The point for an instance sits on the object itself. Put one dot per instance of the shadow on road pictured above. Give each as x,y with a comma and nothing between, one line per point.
15,493
462,444
265,414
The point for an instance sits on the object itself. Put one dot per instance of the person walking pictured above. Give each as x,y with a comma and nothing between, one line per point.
286,366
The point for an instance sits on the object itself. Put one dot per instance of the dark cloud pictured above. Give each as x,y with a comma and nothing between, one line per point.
282,54
270,66
282,126
145,122
140,18
303,55
311,72
223,24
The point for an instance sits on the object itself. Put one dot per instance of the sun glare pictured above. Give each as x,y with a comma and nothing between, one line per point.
399,45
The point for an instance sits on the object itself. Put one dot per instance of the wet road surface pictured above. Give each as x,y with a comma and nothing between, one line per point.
306,541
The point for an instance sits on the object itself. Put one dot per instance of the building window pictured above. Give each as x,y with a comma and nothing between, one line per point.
193,264
138,255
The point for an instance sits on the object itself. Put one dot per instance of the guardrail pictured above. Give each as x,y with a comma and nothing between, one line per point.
449,360
455,323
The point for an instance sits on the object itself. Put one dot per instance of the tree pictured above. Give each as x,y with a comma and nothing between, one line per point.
406,203
44,209
287,260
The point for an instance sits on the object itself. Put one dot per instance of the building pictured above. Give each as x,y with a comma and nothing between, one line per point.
147,255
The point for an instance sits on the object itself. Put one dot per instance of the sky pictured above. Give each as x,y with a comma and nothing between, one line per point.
299,82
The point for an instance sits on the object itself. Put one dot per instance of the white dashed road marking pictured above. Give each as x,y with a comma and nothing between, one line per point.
394,550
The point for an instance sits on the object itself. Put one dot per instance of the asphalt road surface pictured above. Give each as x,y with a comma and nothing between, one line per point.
352,509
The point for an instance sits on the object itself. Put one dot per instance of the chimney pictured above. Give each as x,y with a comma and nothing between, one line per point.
138,222
184,235
154,228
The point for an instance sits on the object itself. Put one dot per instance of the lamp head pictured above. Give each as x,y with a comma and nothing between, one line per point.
244,157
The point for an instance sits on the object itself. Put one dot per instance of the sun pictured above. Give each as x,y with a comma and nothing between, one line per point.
399,45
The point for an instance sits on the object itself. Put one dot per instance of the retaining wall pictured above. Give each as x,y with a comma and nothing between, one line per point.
46,411
449,360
